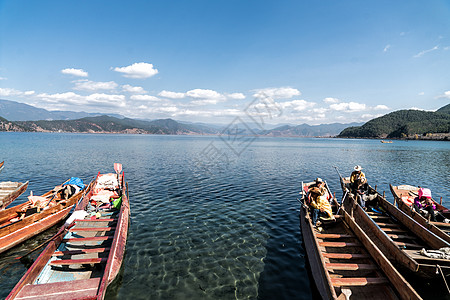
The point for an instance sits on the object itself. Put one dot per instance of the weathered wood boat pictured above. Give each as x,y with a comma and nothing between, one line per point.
9,191
397,235
404,198
21,222
86,254
344,261
386,142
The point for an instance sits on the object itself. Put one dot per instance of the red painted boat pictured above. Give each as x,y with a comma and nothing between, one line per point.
85,256
21,222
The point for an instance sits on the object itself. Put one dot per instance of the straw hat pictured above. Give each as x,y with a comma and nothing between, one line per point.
357,168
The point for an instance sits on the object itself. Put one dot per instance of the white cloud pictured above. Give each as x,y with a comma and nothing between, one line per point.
3,78
144,98
5,92
349,106
297,105
331,100
421,93
445,95
386,48
237,96
87,85
96,99
426,51
381,107
204,94
205,102
67,98
171,95
75,72
106,99
137,70
133,89
277,93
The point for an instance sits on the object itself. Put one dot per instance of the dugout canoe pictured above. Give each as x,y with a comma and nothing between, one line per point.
345,262
21,222
9,191
85,256
398,236
404,198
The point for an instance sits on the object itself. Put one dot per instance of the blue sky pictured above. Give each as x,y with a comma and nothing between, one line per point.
317,61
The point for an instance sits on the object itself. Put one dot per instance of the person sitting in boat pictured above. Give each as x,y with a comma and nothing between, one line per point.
359,187
318,195
424,204
357,179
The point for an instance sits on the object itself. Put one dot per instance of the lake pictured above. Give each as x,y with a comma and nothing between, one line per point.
212,217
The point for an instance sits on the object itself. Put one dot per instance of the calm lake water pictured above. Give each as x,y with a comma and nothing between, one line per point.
212,218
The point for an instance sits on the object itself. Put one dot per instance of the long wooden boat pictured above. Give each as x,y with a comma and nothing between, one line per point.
21,222
397,235
9,191
404,198
86,254
344,261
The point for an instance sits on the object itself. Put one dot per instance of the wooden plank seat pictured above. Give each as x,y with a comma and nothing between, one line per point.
345,255
387,225
88,239
76,289
339,244
394,230
81,251
380,217
361,281
410,245
401,236
350,267
95,220
84,261
333,236
76,229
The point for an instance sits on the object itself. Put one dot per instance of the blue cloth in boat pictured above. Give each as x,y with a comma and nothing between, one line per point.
75,181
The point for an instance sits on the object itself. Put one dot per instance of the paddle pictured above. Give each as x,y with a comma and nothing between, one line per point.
62,230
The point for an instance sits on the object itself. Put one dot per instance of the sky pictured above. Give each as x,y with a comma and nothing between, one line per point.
313,62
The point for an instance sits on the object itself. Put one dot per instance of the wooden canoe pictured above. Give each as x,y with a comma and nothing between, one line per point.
21,222
404,197
85,256
397,235
344,261
9,191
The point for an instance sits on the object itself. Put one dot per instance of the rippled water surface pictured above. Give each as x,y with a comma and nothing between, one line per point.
212,218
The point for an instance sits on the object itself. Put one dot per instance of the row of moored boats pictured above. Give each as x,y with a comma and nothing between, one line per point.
86,254
365,251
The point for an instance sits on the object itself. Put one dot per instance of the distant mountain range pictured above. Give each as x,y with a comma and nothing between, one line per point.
405,124
22,117
15,111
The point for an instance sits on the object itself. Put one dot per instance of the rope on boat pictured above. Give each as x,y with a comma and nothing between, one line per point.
438,269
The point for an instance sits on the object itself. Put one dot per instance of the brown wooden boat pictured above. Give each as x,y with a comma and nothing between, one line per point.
404,198
86,254
9,191
397,235
21,222
344,261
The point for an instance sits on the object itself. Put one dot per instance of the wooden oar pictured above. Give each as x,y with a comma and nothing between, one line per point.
61,231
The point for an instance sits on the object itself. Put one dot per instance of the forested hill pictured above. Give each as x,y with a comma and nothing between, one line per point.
106,124
403,124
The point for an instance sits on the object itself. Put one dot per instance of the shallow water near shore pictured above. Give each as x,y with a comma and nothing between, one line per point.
212,218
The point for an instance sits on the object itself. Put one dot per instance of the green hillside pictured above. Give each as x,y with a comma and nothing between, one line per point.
403,123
